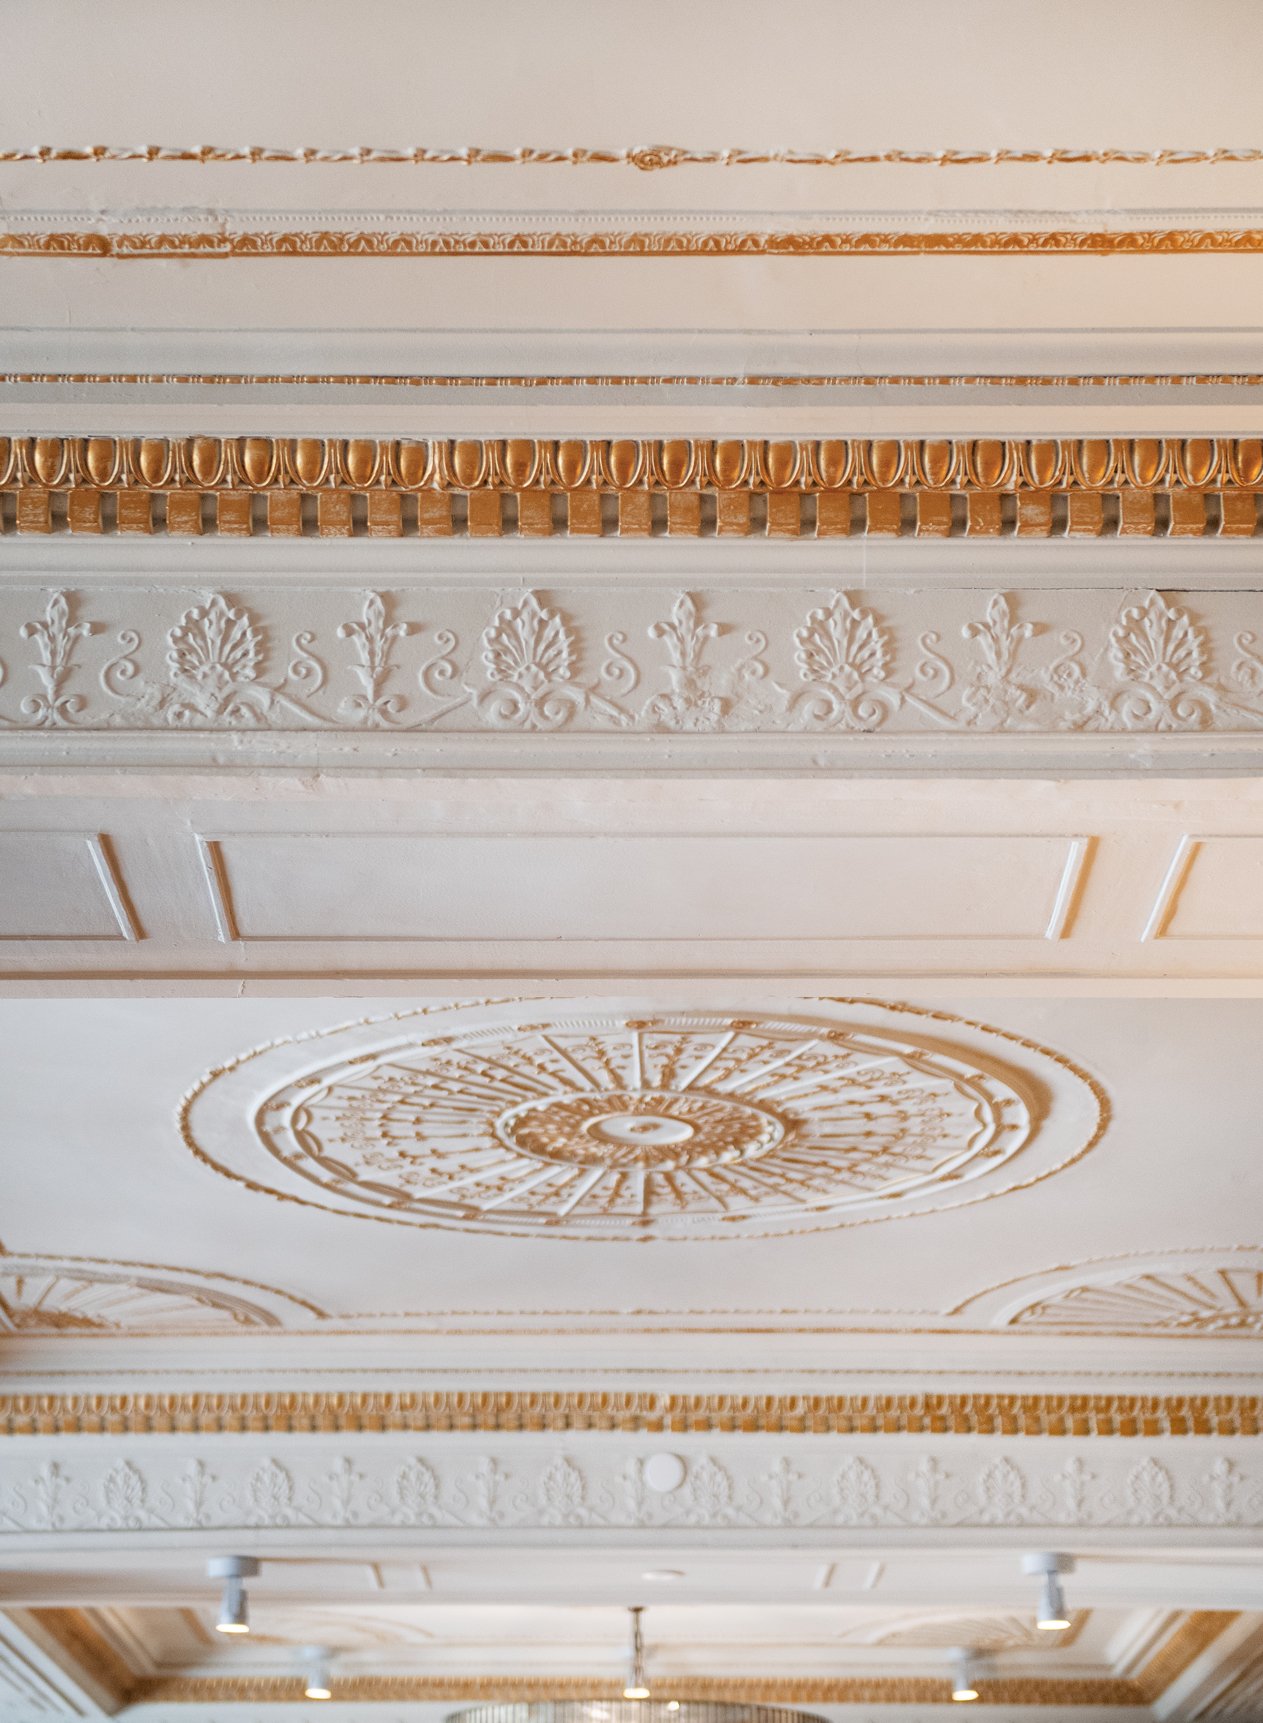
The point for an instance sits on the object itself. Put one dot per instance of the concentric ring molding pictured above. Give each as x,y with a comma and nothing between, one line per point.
613,1119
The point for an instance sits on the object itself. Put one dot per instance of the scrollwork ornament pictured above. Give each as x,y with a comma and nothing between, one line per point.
215,655
995,698
373,638
1145,667
843,653
529,657
705,698
56,637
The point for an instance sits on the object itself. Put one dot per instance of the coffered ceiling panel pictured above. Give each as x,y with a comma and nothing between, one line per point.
1012,1198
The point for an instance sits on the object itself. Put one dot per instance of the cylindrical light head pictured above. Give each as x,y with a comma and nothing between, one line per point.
964,1677
317,1685
1052,1617
234,1610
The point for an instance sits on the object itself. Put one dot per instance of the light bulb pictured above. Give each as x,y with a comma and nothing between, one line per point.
673,1704
635,1693
310,1692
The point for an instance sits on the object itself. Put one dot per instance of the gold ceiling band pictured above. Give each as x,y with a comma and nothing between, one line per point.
1199,1629
531,487
616,380
648,157
78,1635
126,245
511,1411
1107,1691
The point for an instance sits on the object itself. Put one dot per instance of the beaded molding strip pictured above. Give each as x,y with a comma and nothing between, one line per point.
333,487
647,157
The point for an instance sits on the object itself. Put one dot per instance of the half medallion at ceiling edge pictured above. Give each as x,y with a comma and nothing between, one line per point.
612,1119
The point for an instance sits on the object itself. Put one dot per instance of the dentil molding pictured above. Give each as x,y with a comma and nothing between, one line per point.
684,487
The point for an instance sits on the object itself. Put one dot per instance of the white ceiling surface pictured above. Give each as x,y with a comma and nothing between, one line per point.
94,1167
863,78
499,74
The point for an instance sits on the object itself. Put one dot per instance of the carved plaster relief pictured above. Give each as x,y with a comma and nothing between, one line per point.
588,660
983,1630
821,1484
620,1124
1218,1294
47,1295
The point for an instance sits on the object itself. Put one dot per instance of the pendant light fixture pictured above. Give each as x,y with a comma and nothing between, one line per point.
317,1681
234,1608
1052,1615
637,1686
964,1677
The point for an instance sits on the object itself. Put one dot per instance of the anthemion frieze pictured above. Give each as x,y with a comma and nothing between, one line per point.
609,660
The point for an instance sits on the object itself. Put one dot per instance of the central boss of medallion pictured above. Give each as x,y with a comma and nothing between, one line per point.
640,1128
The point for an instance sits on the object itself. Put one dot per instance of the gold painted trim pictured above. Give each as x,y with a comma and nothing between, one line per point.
89,1651
616,380
1199,1629
625,242
533,487
752,464
853,1690
648,158
511,1411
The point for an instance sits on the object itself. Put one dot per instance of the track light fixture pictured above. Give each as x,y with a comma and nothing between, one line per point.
637,1687
964,1677
317,1684
234,1570
1051,1615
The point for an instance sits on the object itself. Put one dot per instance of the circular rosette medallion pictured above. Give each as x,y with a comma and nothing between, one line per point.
621,1122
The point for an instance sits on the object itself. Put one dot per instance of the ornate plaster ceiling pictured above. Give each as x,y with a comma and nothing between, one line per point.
569,551
609,1125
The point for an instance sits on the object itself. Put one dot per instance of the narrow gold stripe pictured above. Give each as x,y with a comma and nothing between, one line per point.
794,1690
376,242
616,380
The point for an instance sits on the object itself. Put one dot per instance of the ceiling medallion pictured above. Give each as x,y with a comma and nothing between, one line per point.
607,1120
